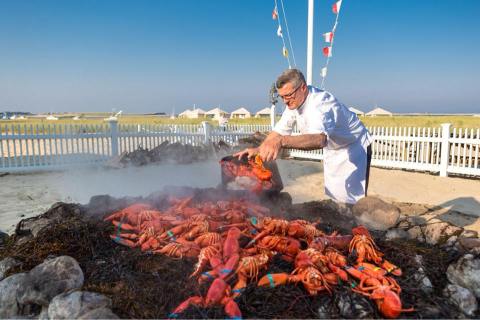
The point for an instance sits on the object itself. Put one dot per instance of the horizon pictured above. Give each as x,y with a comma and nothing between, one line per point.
157,56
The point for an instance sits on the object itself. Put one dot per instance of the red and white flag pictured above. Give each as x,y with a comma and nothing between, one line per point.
327,51
275,13
336,6
328,36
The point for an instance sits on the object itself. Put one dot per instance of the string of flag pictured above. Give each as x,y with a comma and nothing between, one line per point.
285,51
328,37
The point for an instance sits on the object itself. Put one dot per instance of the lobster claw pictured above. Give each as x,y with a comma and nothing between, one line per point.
389,303
231,309
391,268
274,280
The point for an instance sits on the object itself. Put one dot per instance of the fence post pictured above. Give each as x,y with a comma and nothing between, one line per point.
272,116
445,149
207,131
114,136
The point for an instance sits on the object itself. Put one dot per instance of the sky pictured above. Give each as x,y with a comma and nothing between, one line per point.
145,56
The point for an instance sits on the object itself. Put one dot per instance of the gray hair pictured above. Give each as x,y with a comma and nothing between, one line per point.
293,76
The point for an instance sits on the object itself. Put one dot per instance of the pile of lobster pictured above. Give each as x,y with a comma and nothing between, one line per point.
210,232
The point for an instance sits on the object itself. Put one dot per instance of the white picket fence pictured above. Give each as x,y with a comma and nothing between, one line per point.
46,147
441,150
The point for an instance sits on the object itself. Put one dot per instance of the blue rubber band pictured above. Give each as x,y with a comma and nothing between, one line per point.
117,238
254,220
171,235
238,290
173,315
226,271
236,318
270,278
361,268
208,275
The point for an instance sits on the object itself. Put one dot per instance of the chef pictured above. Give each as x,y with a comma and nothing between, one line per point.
323,122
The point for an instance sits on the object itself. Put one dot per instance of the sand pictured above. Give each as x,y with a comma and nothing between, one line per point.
26,195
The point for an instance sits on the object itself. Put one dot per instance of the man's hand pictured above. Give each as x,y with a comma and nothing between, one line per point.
250,152
270,148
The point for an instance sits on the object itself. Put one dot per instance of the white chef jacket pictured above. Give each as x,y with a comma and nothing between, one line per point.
345,155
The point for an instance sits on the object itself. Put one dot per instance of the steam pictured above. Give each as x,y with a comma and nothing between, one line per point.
81,184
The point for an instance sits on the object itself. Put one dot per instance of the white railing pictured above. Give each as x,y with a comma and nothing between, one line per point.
439,150
27,148
46,147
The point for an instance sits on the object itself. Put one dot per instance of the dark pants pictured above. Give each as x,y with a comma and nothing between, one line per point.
369,160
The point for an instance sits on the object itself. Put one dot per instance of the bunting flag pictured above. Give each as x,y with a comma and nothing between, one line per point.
279,31
328,36
275,13
323,72
285,52
327,51
336,6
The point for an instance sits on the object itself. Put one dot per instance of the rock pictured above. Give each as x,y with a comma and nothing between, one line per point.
434,231
324,311
99,313
3,238
463,298
404,223
353,306
396,234
76,304
469,243
419,260
343,209
466,273
475,251
49,279
469,234
416,233
375,214
30,227
7,264
424,282
452,230
101,205
428,311
416,220
43,314
451,241
8,295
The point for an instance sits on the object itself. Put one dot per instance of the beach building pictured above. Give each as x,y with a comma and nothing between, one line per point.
378,112
197,113
240,113
51,117
264,113
216,114
193,114
356,111
185,114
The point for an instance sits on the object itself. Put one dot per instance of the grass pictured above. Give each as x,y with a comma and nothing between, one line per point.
422,121
380,121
